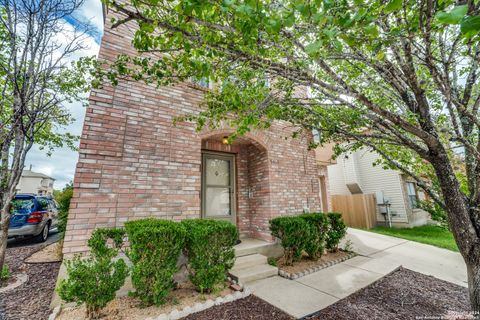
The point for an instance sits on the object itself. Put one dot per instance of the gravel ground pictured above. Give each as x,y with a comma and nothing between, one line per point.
32,299
403,294
249,308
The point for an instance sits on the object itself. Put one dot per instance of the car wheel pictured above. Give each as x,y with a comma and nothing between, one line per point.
43,236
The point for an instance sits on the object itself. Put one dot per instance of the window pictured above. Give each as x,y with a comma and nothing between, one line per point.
42,204
22,205
51,205
412,195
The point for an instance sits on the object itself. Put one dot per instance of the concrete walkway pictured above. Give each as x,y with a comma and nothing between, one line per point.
378,256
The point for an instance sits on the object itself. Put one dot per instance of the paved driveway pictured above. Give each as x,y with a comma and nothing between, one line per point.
53,236
378,256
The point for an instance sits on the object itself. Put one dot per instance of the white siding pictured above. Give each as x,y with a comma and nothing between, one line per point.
358,168
35,185
352,170
389,182
336,178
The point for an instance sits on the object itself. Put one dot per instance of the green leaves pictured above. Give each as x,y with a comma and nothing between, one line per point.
155,245
372,30
393,5
313,47
470,26
95,280
453,16
295,233
209,248
336,231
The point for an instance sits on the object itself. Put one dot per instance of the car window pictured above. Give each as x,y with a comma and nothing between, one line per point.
52,205
42,204
22,205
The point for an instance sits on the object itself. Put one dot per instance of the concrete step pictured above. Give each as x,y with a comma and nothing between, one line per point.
249,261
250,246
253,273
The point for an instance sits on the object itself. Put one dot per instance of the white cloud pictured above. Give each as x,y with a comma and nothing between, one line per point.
92,10
61,165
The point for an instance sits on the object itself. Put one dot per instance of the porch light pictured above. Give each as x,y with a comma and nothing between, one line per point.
225,140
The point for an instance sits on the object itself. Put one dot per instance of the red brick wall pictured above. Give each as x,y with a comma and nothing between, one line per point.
134,163
261,196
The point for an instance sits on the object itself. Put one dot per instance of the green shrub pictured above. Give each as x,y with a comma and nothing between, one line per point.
337,230
155,246
272,261
320,224
437,213
63,199
210,252
95,280
4,273
295,233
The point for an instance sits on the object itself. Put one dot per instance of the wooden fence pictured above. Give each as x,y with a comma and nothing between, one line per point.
358,210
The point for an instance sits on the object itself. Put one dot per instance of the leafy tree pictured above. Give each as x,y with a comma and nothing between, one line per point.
397,76
36,80
63,199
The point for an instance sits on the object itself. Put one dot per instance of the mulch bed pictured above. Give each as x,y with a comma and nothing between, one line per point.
249,308
403,294
32,299
305,263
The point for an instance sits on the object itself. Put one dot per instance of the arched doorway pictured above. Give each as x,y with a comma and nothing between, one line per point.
236,183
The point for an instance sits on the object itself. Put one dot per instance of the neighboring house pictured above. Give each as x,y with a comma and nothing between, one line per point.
355,173
135,163
35,182
324,159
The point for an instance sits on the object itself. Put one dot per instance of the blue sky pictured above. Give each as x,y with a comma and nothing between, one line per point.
61,165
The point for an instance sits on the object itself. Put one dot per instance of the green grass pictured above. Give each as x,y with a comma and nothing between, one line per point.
433,235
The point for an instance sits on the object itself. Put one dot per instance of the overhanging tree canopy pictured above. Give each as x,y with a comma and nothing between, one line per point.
398,76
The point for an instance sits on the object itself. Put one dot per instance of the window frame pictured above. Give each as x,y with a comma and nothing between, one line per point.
412,204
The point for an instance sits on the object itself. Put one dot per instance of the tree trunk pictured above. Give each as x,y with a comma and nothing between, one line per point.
3,245
5,222
473,272
461,223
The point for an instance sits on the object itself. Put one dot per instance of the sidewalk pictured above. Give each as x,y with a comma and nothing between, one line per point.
378,256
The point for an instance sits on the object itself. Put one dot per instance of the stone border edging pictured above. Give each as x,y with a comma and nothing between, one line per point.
21,278
176,314
293,276
54,313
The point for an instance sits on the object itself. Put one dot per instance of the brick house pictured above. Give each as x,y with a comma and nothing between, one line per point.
134,163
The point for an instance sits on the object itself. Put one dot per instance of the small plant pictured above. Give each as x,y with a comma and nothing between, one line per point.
155,246
95,280
272,261
348,247
4,274
437,213
294,233
210,252
337,230
319,222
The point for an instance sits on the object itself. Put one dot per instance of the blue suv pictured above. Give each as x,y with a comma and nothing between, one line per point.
32,215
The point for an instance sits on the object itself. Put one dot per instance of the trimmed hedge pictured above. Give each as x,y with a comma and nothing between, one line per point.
316,246
309,232
95,280
209,248
155,246
336,231
295,234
